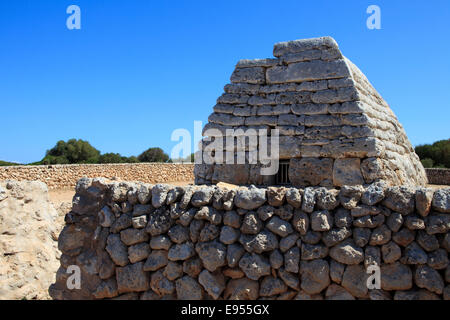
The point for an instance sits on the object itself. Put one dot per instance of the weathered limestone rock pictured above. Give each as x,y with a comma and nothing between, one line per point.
181,251
309,200
254,266
288,242
321,221
188,289
335,236
159,194
361,236
300,222
347,252
438,223
374,194
262,242
421,294
290,279
391,252
106,289
294,197
138,252
394,221
250,198
279,227
438,259
424,197
336,271
292,260
441,200
400,199
336,292
251,224
349,196
212,254
327,199
132,278
396,276
133,236
173,270
428,278
271,286
343,218
117,250
242,289
276,196
403,237
347,172
413,254
213,283
160,284
310,171
229,235
315,276
354,281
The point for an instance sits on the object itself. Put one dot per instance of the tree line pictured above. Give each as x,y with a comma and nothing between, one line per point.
80,151
436,155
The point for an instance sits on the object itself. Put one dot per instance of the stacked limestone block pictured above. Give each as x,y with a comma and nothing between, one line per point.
138,241
334,127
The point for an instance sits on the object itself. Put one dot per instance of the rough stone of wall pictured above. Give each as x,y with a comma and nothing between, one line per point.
138,241
330,118
438,176
67,175
29,228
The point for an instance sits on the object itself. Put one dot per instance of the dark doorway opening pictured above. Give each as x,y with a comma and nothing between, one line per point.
282,177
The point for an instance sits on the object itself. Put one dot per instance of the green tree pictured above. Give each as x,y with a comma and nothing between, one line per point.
438,152
427,163
111,158
153,155
72,151
6,163
116,158
132,159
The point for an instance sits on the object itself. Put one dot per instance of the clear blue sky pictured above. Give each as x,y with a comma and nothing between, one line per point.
137,70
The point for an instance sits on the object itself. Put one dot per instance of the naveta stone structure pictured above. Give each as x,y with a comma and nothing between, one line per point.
139,241
335,129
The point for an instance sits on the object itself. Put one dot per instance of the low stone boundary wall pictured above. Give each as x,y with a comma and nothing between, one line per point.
67,175
438,176
138,241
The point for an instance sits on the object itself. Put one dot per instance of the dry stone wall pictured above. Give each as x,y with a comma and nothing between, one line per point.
438,176
141,241
67,175
330,119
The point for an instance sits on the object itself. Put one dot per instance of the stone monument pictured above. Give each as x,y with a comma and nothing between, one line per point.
334,128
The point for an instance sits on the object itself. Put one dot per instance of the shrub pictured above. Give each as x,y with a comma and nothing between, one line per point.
153,155
111,158
6,163
72,151
427,163
438,152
